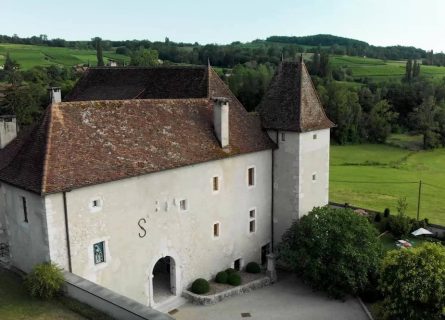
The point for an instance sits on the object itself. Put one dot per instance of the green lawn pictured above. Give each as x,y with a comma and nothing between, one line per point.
375,176
15,303
29,56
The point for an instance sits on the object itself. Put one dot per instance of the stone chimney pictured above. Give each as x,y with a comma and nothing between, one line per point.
221,120
8,130
55,94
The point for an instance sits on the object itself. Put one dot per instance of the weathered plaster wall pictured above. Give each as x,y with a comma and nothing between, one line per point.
286,181
297,158
187,236
314,159
28,241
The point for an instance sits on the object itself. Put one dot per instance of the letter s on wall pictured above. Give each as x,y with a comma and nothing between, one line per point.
142,220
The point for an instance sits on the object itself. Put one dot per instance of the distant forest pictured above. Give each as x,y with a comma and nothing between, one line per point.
364,110
269,50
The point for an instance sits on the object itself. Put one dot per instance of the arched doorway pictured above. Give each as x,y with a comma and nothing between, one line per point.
164,279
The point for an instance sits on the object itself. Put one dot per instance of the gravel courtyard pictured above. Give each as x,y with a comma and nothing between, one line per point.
286,299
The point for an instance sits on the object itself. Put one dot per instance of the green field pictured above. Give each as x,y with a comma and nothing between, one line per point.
377,69
375,176
29,56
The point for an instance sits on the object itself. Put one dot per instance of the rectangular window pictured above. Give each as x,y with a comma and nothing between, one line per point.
252,226
314,136
216,230
95,203
183,205
314,177
99,252
251,176
215,184
25,210
283,136
252,220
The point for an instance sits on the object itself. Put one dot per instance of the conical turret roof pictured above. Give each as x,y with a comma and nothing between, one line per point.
291,102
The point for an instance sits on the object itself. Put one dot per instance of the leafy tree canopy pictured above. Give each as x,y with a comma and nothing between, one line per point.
333,250
413,283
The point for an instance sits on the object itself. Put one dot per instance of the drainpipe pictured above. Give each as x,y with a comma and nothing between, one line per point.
273,192
67,232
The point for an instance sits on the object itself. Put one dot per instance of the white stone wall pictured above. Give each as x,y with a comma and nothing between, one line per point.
28,241
297,158
314,159
186,236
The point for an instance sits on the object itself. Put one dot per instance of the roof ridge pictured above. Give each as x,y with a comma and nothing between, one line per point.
316,95
48,132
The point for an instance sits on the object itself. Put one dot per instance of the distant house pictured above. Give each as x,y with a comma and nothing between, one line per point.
144,179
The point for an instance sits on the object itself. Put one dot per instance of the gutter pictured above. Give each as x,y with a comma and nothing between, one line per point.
67,232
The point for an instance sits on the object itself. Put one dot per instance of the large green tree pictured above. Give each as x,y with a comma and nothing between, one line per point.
97,44
380,120
413,283
424,118
334,250
144,57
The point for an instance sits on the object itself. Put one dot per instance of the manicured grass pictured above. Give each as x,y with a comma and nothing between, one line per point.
29,56
16,304
375,176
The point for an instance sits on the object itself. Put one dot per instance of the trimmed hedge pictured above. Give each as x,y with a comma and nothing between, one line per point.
230,271
221,277
253,267
200,286
234,279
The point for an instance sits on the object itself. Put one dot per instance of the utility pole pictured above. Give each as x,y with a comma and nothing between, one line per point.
418,199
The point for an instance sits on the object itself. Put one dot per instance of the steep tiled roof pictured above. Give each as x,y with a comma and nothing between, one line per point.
80,143
116,83
291,102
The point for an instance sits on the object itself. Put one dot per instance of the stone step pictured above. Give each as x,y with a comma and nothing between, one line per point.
170,304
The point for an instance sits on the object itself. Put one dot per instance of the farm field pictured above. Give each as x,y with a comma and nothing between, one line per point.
377,69
375,176
29,56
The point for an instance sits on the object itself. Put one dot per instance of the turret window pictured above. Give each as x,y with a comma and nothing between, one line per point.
251,177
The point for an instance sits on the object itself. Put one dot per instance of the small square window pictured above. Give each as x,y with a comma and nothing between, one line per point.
251,177
252,226
314,136
314,177
183,205
252,213
99,252
96,204
216,230
215,184
283,136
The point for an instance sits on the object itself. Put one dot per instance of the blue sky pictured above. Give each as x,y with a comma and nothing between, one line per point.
390,22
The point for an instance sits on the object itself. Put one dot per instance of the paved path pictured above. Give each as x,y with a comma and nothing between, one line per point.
288,299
